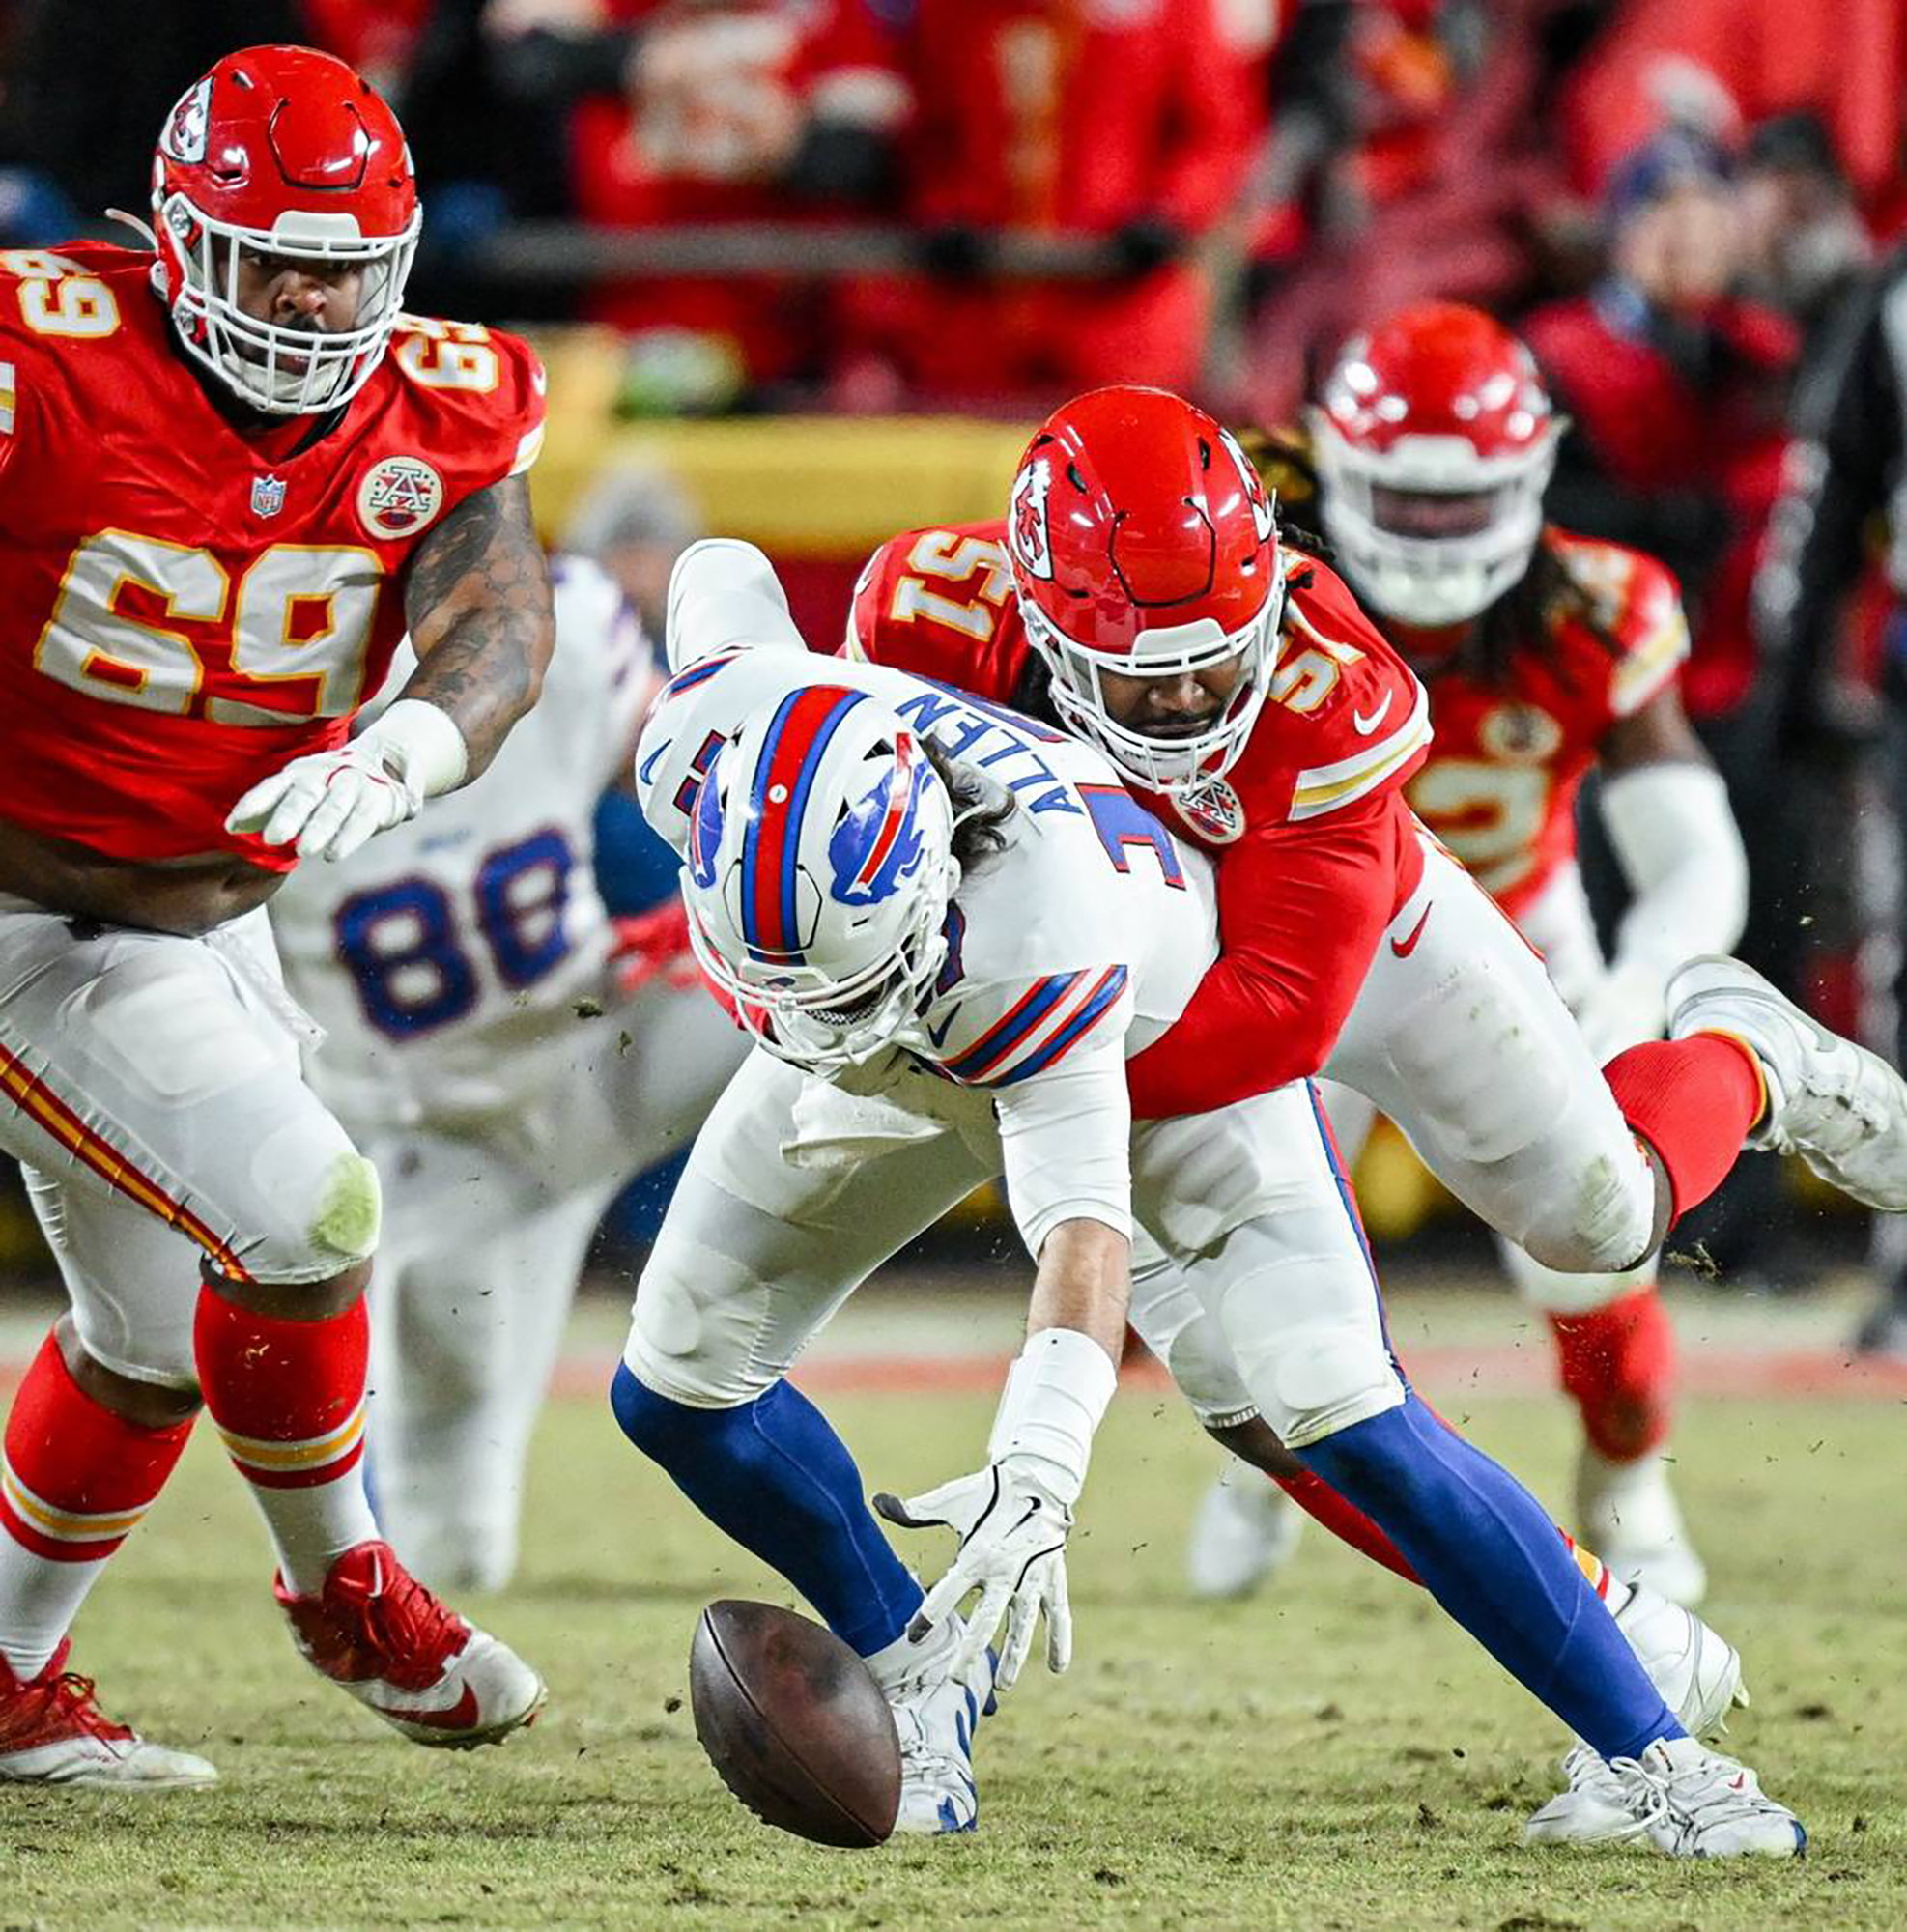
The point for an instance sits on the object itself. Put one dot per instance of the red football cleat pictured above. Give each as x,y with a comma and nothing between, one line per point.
377,1632
52,1732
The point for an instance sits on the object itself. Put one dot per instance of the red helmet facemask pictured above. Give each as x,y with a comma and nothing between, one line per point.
284,152
1144,546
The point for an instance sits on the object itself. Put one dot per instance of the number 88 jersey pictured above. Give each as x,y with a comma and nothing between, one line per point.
188,604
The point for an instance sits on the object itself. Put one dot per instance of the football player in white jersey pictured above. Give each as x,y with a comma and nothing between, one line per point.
478,1049
945,927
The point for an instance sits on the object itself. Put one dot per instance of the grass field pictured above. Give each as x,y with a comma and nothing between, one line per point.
1333,1756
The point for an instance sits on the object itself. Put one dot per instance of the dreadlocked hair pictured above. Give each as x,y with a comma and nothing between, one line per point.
982,810
1282,458
1530,614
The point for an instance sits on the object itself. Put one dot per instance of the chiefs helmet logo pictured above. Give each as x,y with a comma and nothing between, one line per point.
185,136
399,497
1262,520
1026,518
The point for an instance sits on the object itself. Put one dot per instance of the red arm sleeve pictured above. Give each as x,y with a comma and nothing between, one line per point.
1300,911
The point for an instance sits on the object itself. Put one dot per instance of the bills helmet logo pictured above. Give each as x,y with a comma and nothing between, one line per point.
879,842
399,497
705,833
1026,518
185,136
1212,810
1264,521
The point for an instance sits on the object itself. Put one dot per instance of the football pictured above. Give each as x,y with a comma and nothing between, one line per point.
794,1725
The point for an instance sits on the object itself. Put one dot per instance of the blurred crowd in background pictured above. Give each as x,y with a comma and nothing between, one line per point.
873,207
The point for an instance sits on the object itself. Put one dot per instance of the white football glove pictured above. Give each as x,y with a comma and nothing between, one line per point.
1013,1530
331,802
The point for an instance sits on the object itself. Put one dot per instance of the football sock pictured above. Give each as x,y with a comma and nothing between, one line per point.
1618,1365
288,1398
1694,1101
777,1478
1345,1520
1488,1552
76,1477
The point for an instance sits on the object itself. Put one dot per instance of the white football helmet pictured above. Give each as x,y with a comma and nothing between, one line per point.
819,866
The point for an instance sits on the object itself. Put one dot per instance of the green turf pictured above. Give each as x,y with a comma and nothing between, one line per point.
1331,1756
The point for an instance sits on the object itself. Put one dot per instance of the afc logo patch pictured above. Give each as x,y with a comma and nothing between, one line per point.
1026,518
1518,735
185,137
1212,810
399,497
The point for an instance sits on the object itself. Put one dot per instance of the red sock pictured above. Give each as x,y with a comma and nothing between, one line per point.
1346,1522
1694,1100
1617,1363
76,1480
288,1398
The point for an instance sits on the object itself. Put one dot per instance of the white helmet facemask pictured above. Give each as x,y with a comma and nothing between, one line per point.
1429,531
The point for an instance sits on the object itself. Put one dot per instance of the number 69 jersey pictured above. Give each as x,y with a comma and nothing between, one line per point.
1078,944
188,606
445,959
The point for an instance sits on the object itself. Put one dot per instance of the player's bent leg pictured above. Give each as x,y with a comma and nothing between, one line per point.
1463,1041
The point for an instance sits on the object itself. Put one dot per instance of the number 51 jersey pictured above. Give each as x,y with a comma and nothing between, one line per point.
188,606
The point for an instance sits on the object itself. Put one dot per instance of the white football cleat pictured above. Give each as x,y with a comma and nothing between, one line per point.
1841,1108
1678,1796
1698,1674
1245,1530
1627,1514
378,1633
53,1732
935,1714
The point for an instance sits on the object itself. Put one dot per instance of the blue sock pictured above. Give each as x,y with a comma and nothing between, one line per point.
1489,1553
777,1478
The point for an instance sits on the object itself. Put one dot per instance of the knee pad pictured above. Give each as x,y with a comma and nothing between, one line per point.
1598,1216
315,1222
1304,1331
694,1330
1558,1294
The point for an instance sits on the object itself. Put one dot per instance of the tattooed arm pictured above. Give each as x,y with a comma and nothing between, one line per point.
476,597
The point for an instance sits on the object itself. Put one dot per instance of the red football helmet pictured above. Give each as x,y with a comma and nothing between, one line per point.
282,152
1144,544
1434,440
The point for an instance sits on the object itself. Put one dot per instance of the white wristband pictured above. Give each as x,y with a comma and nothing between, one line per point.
1056,1394
421,743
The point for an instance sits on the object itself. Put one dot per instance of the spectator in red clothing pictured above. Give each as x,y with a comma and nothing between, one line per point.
727,112
1723,64
1676,389
1129,122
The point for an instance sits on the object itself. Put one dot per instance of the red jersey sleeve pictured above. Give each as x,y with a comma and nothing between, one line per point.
1300,911
1641,611
479,397
939,603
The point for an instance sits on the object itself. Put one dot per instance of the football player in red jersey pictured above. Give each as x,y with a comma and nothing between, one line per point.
233,474
1138,591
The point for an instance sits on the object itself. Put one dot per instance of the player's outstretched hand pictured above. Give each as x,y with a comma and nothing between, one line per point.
328,804
1012,1532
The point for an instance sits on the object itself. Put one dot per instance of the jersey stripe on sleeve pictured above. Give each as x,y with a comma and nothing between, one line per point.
1325,788
1104,995
1048,1020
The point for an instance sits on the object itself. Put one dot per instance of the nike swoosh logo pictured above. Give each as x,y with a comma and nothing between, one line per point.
649,763
462,1715
1407,944
1366,726
938,1034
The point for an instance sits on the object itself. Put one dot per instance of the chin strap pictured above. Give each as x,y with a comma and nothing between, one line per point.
142,229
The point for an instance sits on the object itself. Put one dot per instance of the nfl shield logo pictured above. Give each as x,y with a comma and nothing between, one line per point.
268,495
